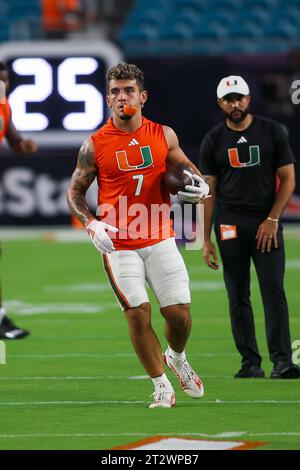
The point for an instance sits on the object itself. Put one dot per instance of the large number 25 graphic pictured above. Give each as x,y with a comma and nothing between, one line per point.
253,160
67,88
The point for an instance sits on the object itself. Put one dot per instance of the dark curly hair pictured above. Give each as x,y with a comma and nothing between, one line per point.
123,71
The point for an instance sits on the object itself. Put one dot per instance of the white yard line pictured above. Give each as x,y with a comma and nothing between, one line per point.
233,434
109,377
101,355
196,434
68,234
70,402
142,377
53,234
25,308
71,355
134,402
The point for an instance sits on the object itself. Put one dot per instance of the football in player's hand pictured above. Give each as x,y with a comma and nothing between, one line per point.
177,177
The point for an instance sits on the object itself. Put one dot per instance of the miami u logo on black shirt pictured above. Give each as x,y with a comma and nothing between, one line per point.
254,160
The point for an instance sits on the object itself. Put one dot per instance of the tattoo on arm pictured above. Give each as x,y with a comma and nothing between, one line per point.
83,176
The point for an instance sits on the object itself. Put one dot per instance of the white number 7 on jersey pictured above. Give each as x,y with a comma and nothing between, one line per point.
140,179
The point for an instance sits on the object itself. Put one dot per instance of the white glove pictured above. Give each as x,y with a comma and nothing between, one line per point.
98,233
194,192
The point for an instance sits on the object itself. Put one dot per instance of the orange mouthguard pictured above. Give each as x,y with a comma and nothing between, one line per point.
129,110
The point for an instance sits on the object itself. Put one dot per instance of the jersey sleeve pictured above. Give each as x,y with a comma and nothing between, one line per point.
283,152
7,111
207,164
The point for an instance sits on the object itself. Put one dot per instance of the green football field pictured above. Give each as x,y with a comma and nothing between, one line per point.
76,383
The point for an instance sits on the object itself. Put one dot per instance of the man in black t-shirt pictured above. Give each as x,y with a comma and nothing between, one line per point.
242,158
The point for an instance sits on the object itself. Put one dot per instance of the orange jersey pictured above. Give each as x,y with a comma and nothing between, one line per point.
130,171
4,118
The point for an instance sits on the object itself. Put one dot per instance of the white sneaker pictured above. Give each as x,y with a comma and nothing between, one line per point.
189,381
163,397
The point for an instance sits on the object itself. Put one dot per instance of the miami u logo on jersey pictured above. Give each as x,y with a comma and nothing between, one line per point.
124,165
253,153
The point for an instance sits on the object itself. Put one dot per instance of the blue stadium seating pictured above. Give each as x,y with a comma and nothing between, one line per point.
278,31
224,5
143,32
258,19
192,4
214,26
20,20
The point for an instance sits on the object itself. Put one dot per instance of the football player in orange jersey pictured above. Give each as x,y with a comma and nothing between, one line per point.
7,129
8,330
128,156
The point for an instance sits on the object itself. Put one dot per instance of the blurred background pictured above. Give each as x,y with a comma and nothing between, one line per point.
58,53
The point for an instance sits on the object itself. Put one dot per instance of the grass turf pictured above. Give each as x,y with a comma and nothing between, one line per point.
73,383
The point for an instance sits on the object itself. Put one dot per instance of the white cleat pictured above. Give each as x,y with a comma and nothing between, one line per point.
163,397
190,382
